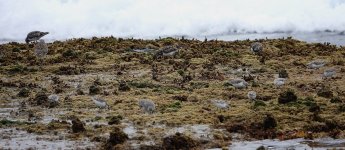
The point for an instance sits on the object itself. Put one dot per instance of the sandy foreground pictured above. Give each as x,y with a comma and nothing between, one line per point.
184,87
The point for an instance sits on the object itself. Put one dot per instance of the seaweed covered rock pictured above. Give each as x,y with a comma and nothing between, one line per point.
283,73
94,89
287,97
341,108
41,99
261,148
258,131
69,70
80,91
77,125
314,108
325,92
236,127
123,86
180,97
257,128
179,142
150,147
259,103
115,120
221,118
269,122
24,92
335,100
117,136
57,124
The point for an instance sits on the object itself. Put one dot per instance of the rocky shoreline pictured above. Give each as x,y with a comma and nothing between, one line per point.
183,85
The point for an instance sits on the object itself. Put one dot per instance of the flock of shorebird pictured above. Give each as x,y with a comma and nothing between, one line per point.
41,49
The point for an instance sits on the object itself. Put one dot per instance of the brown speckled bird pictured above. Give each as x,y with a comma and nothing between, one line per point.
34,36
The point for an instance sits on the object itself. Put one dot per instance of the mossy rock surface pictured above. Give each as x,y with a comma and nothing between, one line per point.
179,142
180,87
287,97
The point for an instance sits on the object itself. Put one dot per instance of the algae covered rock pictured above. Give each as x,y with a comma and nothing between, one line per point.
179,142
115,120
123,86
24,92
269,122
283,73
41,99
287,97
261,148
77,125
94,89
325,92
117,136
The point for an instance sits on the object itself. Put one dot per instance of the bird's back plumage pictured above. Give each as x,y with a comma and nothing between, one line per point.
34,36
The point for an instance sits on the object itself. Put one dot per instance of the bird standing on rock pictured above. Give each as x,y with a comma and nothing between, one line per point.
53,98
166,51
329,72
101,103
238,83
34,36
251,95
148,105
316,64
221,104
279,82
256,47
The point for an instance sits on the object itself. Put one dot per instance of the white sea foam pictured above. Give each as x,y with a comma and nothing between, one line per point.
153,18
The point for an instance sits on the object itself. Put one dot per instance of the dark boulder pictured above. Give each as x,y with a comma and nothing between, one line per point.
179,142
